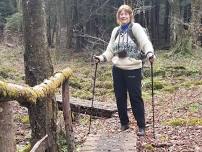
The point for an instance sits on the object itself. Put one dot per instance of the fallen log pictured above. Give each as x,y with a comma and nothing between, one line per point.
100,109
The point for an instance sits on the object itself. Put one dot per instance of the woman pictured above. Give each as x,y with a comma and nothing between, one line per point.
123,51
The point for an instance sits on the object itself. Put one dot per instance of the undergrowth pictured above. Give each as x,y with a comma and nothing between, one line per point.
170,74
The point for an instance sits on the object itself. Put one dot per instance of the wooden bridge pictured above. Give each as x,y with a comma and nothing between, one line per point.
124,141
117,141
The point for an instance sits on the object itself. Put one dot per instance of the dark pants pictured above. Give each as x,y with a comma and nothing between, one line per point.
129,80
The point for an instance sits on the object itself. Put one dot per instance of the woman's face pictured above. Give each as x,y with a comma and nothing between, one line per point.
124,17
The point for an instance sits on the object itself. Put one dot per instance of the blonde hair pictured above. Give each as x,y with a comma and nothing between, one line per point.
126,8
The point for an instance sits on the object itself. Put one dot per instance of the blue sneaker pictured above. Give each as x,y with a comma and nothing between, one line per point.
141,132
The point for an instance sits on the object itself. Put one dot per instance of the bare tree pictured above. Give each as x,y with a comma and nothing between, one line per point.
51,20
196,22
19,5
68,19
59,22
176,27
181,39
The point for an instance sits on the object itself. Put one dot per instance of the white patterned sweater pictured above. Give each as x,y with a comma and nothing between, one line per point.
128,63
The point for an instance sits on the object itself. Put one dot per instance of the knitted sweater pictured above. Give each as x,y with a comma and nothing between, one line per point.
128,63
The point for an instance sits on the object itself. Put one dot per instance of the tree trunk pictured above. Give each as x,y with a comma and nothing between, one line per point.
78,27
38,67
58,23
54,30
51,13
19,5
68,14
49,38
181,39
166,23
157,12
7,134
196,7
175,19
154,22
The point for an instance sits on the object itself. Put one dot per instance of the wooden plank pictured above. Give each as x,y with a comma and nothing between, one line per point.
100,109
113,142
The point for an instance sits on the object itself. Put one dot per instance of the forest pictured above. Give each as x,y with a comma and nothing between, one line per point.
47,76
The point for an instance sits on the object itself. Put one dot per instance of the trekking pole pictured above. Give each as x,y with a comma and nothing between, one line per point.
94,79
152,85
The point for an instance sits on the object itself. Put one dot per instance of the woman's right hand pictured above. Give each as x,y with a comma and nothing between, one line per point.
151,59
96,58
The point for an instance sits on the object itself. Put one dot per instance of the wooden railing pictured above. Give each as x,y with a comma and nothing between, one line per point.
10,91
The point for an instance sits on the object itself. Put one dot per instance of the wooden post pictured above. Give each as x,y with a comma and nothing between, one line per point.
7,133
67,116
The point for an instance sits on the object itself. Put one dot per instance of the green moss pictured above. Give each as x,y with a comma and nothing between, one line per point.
176,122
197,82
184,122
62,143
195,122
192,83
75,83
86,72
107,85
174,71
187,84
149,147
105,76
6,72
146,96
26,148
87,86
158,84
164,138
24,119
192,72
83,120
170,89
10,73
195,107
99,84
101,92
160,72
82,94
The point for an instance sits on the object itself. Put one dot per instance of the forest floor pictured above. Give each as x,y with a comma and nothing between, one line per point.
177,89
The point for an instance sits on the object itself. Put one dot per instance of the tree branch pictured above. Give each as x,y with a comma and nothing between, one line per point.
40,145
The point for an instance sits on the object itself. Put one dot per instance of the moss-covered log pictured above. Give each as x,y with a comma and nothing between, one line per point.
9,91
